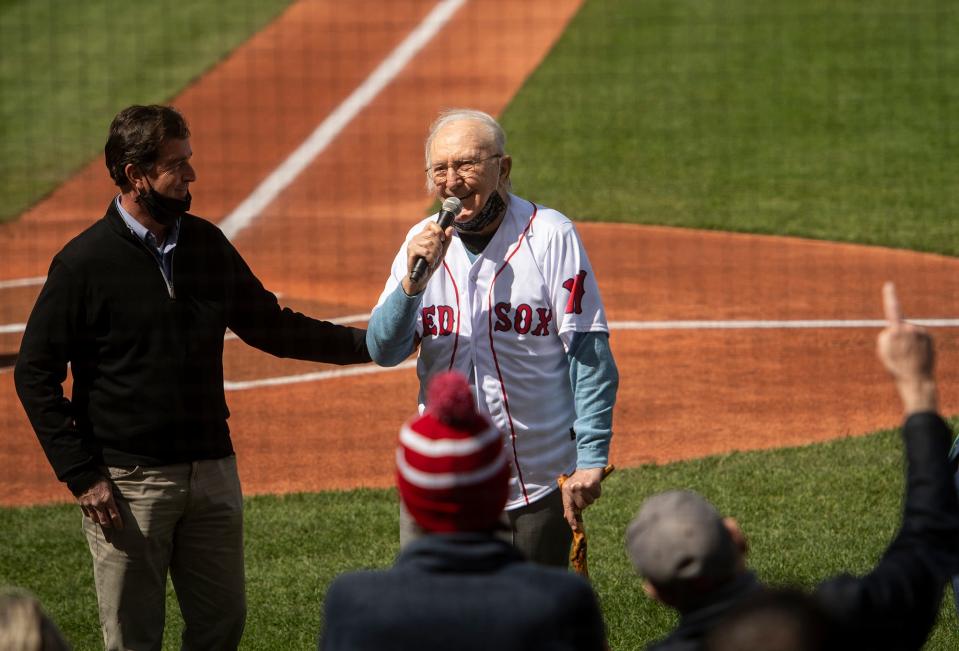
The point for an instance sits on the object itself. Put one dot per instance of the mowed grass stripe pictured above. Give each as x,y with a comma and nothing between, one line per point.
829,120
66,68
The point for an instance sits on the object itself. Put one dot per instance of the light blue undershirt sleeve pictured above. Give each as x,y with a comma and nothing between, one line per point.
391,332
595,380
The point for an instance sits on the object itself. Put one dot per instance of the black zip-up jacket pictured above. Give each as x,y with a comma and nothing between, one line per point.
147,360
894,606
465,591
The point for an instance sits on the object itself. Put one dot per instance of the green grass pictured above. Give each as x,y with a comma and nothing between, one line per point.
808,512
66,68
819,118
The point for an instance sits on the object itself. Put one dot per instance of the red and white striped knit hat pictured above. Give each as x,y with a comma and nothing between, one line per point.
451,466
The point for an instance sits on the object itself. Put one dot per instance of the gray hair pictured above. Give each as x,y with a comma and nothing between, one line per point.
495,133
24,624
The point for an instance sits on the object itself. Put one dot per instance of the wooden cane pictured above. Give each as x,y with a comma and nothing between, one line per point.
577,552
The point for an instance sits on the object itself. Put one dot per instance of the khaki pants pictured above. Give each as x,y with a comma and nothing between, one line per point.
185,519
539,531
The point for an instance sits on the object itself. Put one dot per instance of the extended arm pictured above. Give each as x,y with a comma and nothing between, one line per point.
258,319
896,604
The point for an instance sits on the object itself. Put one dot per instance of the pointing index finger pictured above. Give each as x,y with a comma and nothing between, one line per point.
890,304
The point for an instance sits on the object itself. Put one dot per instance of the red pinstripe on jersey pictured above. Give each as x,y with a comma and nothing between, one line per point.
499,373
456,335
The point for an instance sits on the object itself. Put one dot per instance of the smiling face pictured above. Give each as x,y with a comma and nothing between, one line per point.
466,163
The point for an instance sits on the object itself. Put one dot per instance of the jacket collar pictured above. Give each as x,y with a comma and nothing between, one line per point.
463,552
115,220
697,622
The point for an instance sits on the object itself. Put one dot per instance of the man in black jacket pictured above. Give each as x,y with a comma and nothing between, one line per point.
694,560
137,305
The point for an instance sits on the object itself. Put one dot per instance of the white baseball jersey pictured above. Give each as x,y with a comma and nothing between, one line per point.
505,321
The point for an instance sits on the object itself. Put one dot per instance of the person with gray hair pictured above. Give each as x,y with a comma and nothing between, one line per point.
495,133
694,560
24,626
510,300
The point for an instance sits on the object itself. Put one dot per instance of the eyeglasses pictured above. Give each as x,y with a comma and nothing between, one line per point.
462,168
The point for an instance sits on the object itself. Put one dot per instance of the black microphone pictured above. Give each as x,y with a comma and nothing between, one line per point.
451,208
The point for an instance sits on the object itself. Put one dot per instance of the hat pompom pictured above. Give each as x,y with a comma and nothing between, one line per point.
452,469
450,400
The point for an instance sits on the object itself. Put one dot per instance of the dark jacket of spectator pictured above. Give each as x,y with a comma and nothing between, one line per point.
695,624
462,591
894,606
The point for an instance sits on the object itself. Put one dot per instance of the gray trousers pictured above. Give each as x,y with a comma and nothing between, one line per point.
185,519
539,531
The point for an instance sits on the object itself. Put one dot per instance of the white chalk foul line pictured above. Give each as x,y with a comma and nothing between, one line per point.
281,177
13,328
760,325
22,282
278,180
313,377
613,325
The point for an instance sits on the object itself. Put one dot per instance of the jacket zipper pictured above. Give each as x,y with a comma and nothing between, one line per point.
159,261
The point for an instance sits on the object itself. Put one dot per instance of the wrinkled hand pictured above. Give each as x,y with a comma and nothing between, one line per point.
97,503
581,489
906,350
431,244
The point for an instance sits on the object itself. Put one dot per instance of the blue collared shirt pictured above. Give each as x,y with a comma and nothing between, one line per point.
162,252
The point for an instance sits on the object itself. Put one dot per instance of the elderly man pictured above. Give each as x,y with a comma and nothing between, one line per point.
510,300
137,306
694,560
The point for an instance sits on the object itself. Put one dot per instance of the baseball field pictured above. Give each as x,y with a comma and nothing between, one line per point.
745,176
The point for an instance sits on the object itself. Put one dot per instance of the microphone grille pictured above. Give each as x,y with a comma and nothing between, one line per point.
453,205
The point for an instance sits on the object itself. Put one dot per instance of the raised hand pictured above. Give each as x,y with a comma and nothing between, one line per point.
906,351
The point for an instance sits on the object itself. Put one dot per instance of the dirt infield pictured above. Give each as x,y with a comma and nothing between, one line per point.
326,242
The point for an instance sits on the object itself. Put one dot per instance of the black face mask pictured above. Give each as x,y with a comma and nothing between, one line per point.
493,208
165,210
